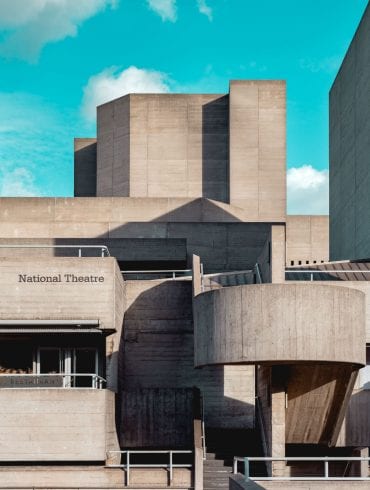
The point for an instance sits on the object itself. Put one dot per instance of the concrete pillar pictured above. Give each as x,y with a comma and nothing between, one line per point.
360,468
278,253
278,420
197,276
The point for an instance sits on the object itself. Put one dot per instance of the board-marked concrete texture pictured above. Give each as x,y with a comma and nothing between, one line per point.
279,323
350,151
307,240
258,148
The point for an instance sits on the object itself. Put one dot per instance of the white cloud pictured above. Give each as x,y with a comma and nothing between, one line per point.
111,84
308,190
166,9
328,65
19,182
205,9
30,24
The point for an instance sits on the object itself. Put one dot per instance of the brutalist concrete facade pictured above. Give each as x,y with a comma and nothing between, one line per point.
350,151
154,310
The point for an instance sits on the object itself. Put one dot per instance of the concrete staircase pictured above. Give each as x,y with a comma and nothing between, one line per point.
216,471
222,446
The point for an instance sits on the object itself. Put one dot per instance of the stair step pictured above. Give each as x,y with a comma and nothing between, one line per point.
216,484
217,470
216,467
222,476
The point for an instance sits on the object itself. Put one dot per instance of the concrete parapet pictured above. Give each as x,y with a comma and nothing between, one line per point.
53,424
62,288
279,323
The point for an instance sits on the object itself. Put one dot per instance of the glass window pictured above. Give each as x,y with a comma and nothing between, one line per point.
50,361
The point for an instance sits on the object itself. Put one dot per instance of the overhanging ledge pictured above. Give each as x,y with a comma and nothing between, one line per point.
50,322
280,324
51,326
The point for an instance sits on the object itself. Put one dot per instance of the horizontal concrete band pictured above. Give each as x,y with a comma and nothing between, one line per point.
279,323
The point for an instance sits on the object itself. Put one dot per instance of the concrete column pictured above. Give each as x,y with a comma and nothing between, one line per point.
278,420
197,276
360,468
278,253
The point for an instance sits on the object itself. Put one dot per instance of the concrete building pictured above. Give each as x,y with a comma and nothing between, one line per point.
350,151
171,317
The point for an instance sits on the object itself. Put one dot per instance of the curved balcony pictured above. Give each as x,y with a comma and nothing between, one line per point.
310,339
280,324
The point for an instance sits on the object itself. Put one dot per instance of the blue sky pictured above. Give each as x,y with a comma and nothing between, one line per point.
58,58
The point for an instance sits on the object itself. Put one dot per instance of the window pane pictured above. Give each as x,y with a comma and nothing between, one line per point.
85,363
49,361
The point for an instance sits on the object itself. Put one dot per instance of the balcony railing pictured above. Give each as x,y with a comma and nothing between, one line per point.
325,466
326,274
169,465
101,249
52,380
158,274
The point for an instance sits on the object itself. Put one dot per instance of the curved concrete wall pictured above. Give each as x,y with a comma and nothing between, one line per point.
279,323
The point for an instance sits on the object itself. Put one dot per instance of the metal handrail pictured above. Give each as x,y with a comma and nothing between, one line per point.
103,248
231,273
325,460
258,273
204,446
325,272
171,272
97,381
169,466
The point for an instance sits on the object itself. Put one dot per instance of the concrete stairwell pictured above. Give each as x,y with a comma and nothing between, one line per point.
222,446
216,471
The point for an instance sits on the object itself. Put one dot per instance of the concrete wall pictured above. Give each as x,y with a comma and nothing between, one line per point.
363,286
279,323
307,240
85,167
135,229
258,148
62,300
53,424
157,417
88,477
158,352
350,151
164,146
356,426
221,147
113,148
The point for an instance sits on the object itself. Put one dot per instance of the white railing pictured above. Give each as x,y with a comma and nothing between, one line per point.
204,446
104,252
325,460
49,380
328,272
171,273
170,465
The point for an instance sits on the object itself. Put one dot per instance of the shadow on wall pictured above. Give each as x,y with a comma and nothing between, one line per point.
357,420
157,353
85,170
317,392
220,238
215,149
